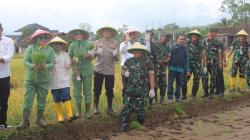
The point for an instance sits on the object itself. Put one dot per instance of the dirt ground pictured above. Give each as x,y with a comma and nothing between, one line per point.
225,125
219,118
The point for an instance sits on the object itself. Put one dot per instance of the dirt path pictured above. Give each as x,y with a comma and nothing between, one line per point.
226,125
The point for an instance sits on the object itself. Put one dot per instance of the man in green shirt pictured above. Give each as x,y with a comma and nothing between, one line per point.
81,56
38,61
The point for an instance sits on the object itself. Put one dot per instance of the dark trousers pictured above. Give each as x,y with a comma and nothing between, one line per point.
220,86
177,77
109,84
4,96
161,84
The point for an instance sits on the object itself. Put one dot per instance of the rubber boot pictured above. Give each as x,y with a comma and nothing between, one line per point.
124,124
79,110
184,92
141,121
96,104
40,118
233,82
150,103
242,84
156,95
69,112
110,102
59,112
87,111
25,123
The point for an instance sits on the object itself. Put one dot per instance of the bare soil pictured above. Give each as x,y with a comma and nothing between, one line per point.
218,118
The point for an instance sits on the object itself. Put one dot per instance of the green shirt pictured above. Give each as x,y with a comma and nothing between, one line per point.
78,49
48,56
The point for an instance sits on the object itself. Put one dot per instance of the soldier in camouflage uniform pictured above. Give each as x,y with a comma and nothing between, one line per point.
240,49
247,72
138,70
151,55
163,56
213,50
196,57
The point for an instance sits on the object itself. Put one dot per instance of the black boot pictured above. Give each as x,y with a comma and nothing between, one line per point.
96,103
184,92
141,121
156,96
124,124
150,103
110,101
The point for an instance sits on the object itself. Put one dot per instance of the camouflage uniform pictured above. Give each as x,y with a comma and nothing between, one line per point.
195,52
151,56
163,53
137,88
239,59
213,49
247,73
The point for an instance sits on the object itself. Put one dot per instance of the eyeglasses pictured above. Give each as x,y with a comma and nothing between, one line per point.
43,38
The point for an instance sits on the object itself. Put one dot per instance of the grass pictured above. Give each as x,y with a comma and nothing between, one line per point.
17,93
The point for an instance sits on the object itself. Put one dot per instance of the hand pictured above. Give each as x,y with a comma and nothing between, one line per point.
87,55
114,52
127,74
127,38
43,66
74,61
151,93
225,63
2,60
35,67
204,70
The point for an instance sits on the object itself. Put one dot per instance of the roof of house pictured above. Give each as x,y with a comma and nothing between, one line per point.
33,26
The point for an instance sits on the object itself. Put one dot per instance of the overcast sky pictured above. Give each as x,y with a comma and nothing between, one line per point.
142,14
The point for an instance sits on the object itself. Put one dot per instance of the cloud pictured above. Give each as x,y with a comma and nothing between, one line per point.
68,14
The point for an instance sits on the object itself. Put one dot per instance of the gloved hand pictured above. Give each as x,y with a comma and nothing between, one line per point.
127,74
151,93
114,52
204,69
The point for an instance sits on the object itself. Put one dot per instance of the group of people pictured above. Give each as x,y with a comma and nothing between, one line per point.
51,63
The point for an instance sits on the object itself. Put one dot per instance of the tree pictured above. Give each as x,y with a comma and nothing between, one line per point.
170,27
121,32
238,9
223,21
86,26
27,32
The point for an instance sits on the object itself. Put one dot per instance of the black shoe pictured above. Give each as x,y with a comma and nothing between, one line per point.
184,98
124,127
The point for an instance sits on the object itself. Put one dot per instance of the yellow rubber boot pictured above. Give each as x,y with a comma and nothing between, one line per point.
68,108
242,83
59,112
233,82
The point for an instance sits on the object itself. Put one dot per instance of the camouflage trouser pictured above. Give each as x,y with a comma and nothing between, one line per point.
160,82
238,66
131,104
247,72
196,70
212,71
